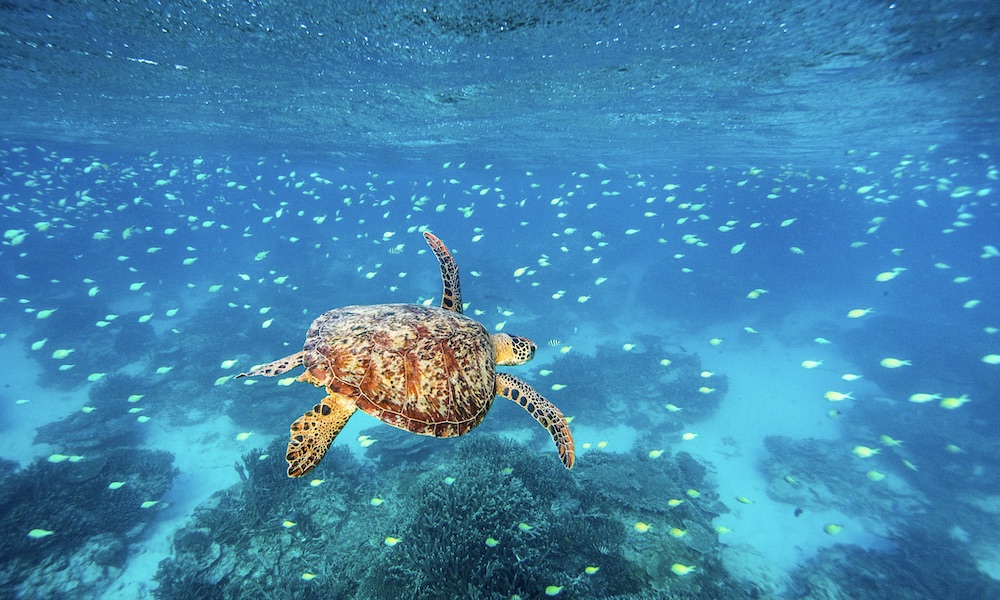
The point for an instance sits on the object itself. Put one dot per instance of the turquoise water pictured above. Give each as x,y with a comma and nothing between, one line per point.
756,246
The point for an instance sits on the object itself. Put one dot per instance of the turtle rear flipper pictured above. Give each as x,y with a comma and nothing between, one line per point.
282,365
542,410
312,433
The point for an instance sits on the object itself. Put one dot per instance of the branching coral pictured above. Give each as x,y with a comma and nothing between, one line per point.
484,517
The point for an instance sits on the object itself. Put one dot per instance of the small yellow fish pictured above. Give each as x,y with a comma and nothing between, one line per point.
38,534
864,451
316,482
677,532
953,403
376,501
693,493
850,377
308,576
857,313
715,341
591,570
921,398
875,475
553,590
524,527
149,504
722,529
991,359
392,541
642,527
687,437
673,408
655,453
888,441
744,500
681,570
837,396
894,363
811,364
288,524
492,542
832,528
243,436
706,390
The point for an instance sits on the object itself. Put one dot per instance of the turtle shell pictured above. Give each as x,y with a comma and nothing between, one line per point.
420,368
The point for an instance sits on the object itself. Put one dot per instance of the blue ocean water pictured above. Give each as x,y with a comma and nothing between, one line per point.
755,243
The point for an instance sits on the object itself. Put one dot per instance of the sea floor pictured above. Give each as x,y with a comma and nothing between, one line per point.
770,393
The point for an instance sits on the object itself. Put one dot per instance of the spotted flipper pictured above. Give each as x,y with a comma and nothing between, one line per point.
542,410
277,367
451,296
312,433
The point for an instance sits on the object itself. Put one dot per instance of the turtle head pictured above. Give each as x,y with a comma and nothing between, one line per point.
512,349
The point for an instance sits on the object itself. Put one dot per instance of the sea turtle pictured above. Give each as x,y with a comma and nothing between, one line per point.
424,369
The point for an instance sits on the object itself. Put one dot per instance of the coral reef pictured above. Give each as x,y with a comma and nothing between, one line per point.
109,425
826,475
923,564
90,521
637,385
482,518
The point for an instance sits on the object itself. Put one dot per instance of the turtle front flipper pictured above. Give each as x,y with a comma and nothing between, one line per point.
451,295
542,410
282,365
313,432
